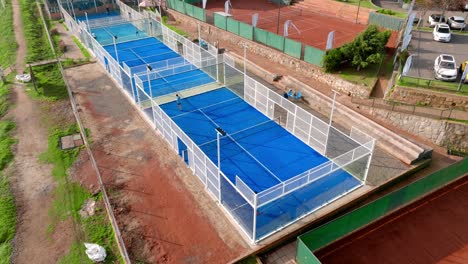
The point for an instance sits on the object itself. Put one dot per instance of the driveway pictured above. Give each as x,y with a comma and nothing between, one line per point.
426,50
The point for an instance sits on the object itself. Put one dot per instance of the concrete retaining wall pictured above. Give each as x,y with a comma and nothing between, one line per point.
426,97
441,132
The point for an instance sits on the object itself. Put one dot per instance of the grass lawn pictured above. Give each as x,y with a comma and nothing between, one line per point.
429,29
38,48
7,202
433,85
364,3
49,83
82,48
7,40
366,77
174,28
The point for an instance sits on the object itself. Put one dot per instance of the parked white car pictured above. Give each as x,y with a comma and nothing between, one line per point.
445,68
442,33
435,19
456,22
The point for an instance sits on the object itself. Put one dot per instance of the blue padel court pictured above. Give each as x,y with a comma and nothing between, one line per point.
137,50
111,14
260,152
256,150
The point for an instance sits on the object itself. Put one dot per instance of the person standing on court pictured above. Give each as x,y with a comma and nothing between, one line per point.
179,102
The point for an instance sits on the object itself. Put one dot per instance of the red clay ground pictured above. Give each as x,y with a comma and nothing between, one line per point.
164,213
313,24
433,230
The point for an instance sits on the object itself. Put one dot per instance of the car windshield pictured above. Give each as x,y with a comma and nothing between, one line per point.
443,30
459,20
437,17
447,65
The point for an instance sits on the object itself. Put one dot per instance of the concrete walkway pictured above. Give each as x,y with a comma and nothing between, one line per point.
389,4
73,51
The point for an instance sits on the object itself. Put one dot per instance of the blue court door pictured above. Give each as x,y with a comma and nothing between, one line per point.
183,150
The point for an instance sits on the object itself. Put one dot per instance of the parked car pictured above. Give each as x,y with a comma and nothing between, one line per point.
442,33
456,22
435,19
444,68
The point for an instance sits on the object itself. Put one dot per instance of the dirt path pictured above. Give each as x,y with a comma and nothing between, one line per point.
32,182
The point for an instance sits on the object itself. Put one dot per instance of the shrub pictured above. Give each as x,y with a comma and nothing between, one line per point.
332,60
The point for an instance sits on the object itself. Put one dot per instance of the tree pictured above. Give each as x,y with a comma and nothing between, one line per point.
367,48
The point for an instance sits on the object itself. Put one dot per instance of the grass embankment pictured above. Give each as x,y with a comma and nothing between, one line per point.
174,28
69,198
82,48
36,39
49,83
7,40
7,203
435,85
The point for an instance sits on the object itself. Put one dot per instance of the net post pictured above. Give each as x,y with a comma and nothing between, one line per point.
366,171
254,227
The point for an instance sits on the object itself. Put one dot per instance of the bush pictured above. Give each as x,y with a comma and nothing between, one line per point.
366,49
332,60
386,12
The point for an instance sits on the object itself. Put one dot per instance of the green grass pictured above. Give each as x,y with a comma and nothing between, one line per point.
7,40
4,93
364,3
49,83
69,198
366,77
38,48
429,29
433,85
6,155
174,28
7,203
82,48
458,120
61,159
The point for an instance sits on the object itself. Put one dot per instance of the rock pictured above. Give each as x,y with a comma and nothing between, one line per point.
88,208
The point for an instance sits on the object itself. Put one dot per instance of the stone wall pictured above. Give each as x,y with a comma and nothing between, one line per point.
426,97
441,132
213,34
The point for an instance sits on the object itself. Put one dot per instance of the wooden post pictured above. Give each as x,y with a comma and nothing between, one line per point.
33,79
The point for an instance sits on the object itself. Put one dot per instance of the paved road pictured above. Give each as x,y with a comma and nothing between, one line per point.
426,50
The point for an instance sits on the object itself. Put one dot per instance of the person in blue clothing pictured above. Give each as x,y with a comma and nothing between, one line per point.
179,102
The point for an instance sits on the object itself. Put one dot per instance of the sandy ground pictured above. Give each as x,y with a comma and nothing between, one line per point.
163,211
